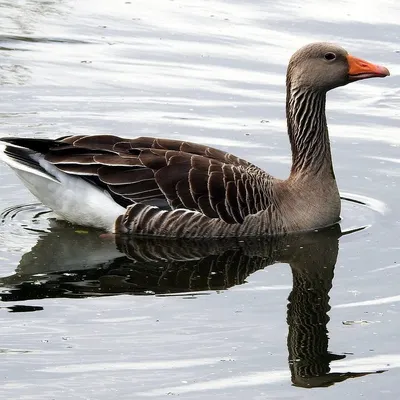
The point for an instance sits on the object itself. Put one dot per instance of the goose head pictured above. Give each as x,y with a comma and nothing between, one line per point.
325,66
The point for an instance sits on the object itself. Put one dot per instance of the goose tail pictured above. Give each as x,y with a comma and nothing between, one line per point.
70,196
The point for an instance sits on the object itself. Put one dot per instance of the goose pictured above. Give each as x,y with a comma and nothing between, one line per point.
173,188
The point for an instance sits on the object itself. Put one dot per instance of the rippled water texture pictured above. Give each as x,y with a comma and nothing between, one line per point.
88,316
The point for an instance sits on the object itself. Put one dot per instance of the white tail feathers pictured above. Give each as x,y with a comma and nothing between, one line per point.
71,197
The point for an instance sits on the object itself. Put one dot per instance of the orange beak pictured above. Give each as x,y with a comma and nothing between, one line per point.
360,69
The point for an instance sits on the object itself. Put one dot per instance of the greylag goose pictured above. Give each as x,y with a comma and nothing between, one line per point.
172,188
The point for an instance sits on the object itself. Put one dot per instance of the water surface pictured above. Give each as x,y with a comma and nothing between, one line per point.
85,317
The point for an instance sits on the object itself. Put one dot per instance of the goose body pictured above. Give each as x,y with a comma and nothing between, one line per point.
171,188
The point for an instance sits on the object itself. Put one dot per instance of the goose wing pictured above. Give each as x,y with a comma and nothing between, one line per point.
170,174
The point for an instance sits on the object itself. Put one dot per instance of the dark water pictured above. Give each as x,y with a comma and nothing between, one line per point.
86,317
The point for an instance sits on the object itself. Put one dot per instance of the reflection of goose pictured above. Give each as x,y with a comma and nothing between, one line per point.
307,317
65,263
163,187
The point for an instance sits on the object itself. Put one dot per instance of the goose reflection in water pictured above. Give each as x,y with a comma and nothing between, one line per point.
71,263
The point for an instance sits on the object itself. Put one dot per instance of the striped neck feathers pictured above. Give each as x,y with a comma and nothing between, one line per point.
308,131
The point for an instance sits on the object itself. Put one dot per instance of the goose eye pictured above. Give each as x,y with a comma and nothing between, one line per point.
330,56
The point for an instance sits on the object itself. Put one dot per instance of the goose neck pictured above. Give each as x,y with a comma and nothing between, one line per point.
308,131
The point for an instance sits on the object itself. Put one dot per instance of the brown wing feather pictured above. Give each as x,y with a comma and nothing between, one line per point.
97,142
175,173
121,176
184,194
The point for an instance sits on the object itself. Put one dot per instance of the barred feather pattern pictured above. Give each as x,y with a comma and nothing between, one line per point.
149,220
173,188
